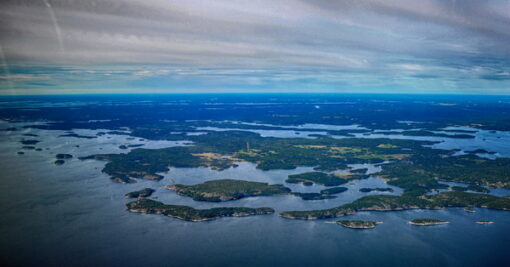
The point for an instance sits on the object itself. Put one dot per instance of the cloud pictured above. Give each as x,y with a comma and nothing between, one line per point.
309,43
412,67
16,77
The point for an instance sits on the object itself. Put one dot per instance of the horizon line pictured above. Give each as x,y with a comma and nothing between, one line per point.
255,93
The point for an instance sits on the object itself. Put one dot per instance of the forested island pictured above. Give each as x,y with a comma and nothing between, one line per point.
227,189
429,133
322,178
146,192
405,202
63,156
427,222
334,190
472,187
313,196
186,213
29,142
378,189
355,224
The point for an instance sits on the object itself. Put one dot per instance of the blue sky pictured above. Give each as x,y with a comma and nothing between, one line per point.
362,46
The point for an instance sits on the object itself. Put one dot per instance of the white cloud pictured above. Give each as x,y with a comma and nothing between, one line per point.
21,77
412,67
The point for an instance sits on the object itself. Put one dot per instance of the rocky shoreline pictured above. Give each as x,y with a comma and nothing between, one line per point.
484,222
427,222
186,213
356,224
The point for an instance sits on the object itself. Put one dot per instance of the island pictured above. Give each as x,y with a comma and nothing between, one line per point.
429,133
63,156
228,189
378,189
10,129
29,142
359,171
471,187
148,206
484,222
356,224
427,222
405,202
309,178
135,145
146,192
334,190
470,210
312,196
77,136
480,151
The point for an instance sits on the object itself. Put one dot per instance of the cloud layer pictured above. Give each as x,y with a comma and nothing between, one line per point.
273,46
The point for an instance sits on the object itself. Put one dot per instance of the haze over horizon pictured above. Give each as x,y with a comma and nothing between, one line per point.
362,46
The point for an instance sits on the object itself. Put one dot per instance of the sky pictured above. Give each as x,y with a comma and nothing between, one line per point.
275,46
